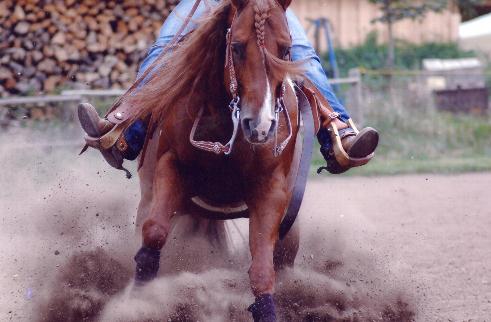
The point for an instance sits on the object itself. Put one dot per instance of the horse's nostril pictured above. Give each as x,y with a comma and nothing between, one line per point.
246,125
250,124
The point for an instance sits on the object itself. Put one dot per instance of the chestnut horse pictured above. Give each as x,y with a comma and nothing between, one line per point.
236,64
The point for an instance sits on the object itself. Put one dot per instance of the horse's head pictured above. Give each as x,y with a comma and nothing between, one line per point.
258,53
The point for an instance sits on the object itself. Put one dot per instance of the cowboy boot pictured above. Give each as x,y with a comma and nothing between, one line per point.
359,147
96,127
343,149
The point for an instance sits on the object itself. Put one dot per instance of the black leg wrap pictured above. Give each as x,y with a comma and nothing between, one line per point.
263,309
147,264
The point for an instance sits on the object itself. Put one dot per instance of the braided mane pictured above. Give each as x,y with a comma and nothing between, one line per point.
261,14
278,68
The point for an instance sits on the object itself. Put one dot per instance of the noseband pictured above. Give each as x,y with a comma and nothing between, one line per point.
235,107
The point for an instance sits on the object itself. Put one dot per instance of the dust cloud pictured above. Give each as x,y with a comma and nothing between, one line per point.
68,239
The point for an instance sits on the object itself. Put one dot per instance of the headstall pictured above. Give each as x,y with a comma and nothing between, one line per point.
234,106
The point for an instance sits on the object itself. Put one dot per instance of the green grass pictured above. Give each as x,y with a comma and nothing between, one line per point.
419,139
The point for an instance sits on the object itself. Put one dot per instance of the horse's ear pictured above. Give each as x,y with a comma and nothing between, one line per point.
239,4
285,3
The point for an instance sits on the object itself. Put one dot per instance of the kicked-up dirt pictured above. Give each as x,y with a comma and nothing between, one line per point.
396,248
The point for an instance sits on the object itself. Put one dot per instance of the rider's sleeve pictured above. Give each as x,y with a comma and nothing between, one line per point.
303,50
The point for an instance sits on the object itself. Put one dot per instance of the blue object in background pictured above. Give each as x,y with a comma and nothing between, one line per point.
323,24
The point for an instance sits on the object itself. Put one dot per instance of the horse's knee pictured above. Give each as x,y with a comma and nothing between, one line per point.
154,234
262,278
148,257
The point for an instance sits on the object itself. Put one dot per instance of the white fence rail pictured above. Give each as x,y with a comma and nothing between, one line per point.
73,97
76,96
65,104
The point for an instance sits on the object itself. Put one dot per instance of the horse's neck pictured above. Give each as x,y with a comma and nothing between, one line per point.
216,100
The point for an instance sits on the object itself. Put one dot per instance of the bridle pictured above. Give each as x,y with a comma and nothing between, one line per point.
235,108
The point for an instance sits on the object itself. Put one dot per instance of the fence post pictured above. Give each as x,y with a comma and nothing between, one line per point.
356,73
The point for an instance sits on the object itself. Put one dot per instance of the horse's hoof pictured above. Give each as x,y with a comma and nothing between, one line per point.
147,265
263,309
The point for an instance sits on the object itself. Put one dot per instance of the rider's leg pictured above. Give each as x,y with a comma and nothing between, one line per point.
135,134
132,140
170,27
356,145
303,50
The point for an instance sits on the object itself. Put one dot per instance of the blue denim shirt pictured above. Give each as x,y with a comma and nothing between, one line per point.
301,48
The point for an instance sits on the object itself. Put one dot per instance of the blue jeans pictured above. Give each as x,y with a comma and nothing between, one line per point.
301,50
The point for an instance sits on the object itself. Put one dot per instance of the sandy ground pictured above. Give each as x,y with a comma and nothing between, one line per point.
438,228
424,239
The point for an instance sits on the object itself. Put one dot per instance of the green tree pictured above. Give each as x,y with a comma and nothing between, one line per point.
397,10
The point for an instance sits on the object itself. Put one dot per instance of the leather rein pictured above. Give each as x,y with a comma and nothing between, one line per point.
235,108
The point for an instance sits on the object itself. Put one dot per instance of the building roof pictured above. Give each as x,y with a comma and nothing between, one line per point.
477,27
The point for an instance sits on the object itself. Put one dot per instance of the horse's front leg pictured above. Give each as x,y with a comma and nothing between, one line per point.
266,204
166,201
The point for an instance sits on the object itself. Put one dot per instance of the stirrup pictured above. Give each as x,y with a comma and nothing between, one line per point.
340,153
111,145
108,140
338,160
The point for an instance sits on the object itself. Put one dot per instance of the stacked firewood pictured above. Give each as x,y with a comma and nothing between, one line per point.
47,45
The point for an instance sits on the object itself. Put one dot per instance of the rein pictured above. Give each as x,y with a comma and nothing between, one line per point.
307,150
234,106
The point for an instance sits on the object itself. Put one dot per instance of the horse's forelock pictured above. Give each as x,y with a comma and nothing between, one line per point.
279,68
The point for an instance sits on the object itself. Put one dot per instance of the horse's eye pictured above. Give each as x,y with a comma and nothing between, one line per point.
286,53
238,49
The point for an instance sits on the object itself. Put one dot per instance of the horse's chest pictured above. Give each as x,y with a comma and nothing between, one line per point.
214,179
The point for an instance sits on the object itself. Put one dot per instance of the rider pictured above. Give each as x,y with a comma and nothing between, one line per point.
357,145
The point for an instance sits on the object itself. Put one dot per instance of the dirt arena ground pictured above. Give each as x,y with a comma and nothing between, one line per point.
423,241
438,228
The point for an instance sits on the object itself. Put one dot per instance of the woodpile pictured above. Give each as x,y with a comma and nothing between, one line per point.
47,45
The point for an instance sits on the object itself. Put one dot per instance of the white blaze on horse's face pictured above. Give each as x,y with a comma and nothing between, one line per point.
266,115
259,123
257,40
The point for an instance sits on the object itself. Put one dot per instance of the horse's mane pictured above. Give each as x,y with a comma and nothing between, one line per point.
195,67
196,60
